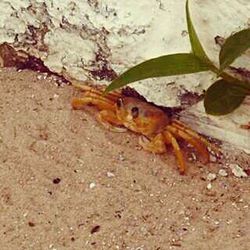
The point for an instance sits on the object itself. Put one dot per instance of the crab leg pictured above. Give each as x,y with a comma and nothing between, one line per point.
170,138
112,96
108,119
195,135
156,145
193,141
98,97
78,103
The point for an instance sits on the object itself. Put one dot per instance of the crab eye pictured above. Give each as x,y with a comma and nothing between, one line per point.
119,102
135,112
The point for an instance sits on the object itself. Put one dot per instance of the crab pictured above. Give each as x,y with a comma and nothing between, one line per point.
120,113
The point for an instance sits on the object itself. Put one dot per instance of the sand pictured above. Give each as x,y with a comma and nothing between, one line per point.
68,183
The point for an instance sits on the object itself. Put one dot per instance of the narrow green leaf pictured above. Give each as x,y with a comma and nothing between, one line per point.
233,47
222,98
169,65
194,40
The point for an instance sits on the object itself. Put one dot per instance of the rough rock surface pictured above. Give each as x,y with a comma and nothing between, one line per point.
97,39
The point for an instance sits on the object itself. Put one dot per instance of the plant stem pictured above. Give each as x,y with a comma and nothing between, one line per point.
229,78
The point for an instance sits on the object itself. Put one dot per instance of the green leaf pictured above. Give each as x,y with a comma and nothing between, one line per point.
194,40
222,97
169,65
233,47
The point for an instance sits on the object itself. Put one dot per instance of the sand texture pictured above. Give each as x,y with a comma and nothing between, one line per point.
68,183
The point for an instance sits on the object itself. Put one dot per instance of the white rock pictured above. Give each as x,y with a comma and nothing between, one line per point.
211,177
110,174
39,77
209,186
77,31
92,185
237,170
213,158
223,172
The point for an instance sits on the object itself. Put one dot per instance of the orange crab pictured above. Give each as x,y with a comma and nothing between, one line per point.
119,113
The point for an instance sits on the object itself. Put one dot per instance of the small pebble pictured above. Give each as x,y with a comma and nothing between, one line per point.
213,158
209,186
110,175
237,170
25,214
95,229
211,177
223,172
56,180
31,224
121,157
92,185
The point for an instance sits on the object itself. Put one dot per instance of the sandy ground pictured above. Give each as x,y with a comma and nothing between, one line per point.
67,183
